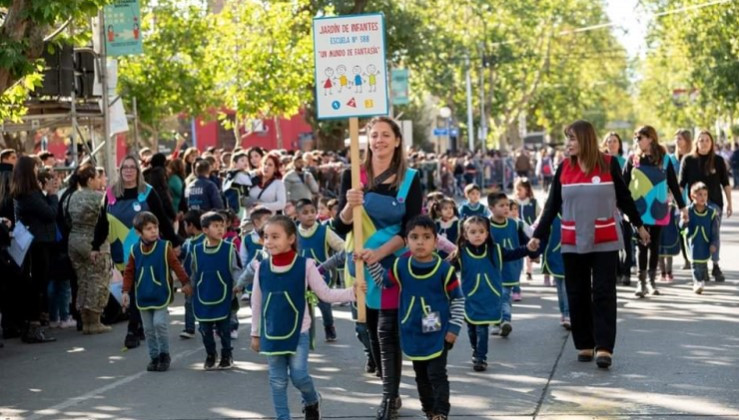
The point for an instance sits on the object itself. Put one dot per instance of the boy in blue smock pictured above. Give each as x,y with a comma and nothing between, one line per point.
251,242
215,266
473,206
195,236
510,234
431,313
701,235
148,270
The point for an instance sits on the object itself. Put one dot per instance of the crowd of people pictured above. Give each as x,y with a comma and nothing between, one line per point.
444,247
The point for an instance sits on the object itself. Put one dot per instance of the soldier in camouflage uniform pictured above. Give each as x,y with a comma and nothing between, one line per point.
82,210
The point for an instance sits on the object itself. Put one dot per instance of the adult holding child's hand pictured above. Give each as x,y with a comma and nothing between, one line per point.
587,191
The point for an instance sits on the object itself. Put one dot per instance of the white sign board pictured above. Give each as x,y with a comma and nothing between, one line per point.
350,70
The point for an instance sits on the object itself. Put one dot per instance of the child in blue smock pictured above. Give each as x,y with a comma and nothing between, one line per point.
473,206
444,214
480,264
195,237
552,264
702,234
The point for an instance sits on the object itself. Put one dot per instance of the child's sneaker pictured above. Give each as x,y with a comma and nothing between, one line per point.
164,361
516,296
234,334
663,277
698,287
565,323
153,365
210,362
187,334
495,330
505,329
313,411
480,366
227,362
718,276
669,278
330,334
55,324
529,277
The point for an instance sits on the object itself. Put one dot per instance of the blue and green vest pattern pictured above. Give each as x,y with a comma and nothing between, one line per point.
482,285
283,306
506,235
153,286
212,281
121,234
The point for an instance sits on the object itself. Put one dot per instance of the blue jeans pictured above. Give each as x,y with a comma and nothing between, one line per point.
479,341
189,315
156,326
506,303
326,313
296,365
223,328
60,293
564,306
517,289
700,272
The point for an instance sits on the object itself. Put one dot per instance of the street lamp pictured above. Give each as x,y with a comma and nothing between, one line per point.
446,113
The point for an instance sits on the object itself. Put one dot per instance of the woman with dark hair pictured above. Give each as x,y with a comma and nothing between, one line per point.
614,146
188,158
127,197
649,175
81,208
156,176
588,191
391,197
268,189
702,165
176,183
36,207
255,155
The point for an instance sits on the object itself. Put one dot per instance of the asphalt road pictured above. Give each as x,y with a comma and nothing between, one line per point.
676,357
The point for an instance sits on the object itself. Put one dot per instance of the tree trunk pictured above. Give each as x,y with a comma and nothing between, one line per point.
278,133
18,29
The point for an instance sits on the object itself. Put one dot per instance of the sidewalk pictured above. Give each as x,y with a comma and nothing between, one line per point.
677,355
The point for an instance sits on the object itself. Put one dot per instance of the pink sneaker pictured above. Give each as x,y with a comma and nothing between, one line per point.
669,278
516,297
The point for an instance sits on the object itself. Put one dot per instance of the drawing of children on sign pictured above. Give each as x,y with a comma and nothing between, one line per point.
328,84
372,73
357,79
343,80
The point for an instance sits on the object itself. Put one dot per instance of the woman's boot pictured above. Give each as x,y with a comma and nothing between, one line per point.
387,410
86,321
641,287
652,286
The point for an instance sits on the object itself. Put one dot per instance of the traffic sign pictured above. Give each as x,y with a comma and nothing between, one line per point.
441,132
350,68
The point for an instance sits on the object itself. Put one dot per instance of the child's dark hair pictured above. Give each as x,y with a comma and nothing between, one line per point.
471,187
423,221
144,218
286,223
209,218
495,197
462,241
259,212
513,203
302,203
192,217
525,184
439,206
228,216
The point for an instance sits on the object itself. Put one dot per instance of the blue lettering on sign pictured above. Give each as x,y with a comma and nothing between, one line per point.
335,104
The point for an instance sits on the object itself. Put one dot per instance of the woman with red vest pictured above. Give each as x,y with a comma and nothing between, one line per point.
588,191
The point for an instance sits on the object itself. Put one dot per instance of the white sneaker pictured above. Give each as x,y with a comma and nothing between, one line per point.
68,323
698,287
234,334
54,324
495,330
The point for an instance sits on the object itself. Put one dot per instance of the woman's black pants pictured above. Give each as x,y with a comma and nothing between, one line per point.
385,348
591,291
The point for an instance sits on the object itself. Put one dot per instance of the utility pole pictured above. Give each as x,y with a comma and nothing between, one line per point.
110,164
470,122
483,119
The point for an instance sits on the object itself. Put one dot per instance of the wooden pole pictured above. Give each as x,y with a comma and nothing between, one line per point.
357,218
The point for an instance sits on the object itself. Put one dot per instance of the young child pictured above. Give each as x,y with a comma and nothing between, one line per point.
324,213
278,305
431,313
528,212
447,222
472,207
147,270
195,237
432,200
251,242
215,266
510,235
669,244
232,236
480,261
553,265
702,234
316,241
236,184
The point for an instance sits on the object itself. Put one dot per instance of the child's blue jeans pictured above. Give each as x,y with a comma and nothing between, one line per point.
296,367
60,293
564,306
506,303
156,328
479,341
700,271
223,328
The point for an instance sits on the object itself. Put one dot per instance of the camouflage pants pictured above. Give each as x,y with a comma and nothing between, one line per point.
93,277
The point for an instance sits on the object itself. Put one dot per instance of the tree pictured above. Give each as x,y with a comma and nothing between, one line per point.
172,76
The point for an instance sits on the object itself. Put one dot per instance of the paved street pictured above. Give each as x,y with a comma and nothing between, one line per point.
677,355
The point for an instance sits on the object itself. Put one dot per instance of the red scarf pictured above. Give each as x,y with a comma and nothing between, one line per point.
284,259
